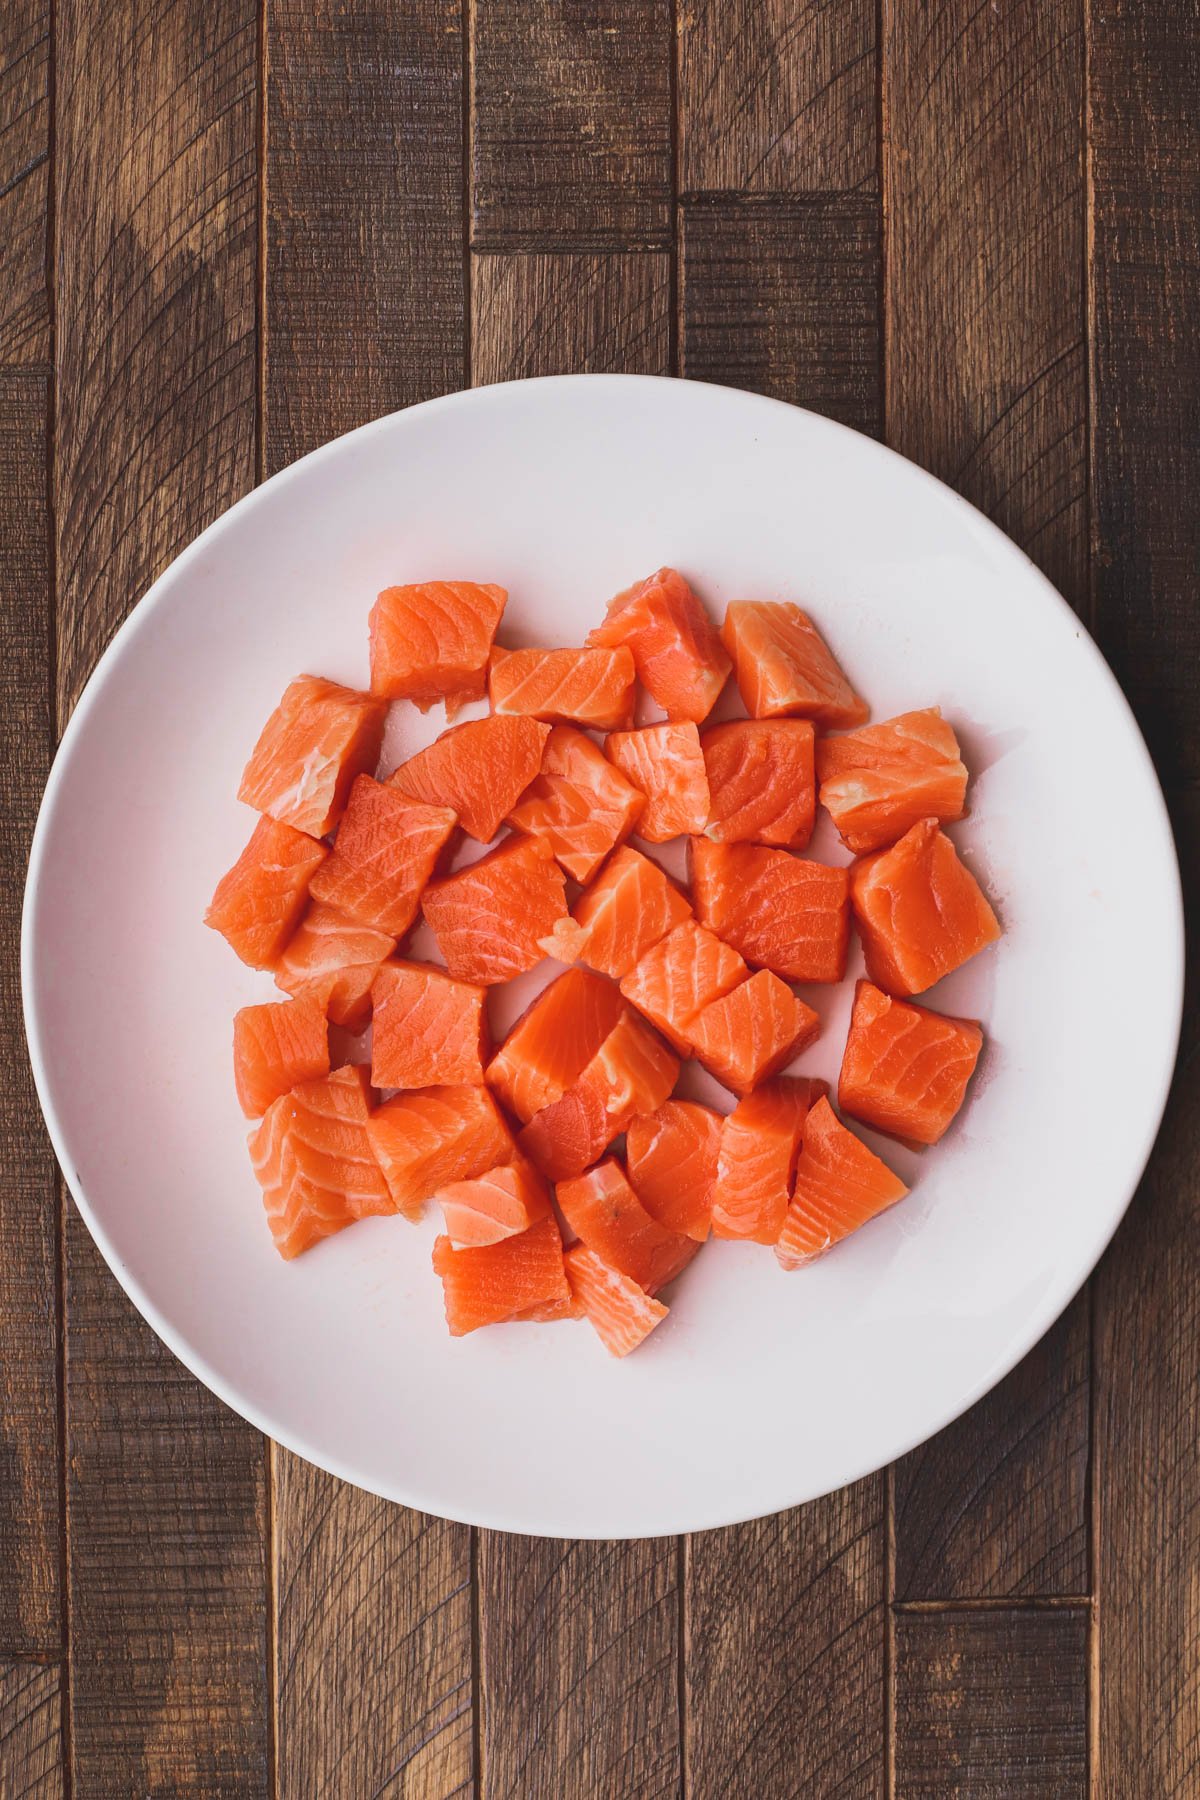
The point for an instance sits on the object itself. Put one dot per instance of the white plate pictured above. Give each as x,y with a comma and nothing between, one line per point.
761,1389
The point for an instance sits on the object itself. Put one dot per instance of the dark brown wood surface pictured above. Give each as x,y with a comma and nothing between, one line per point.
230,230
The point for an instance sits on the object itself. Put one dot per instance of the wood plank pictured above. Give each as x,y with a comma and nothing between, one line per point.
784,1653
785,1617
1145,94
984,203
782,296
578,1642
565,313
30,1506
373,1645
1145,264
31,1743
365,305
365,289
156,206
571,124
155,295
578,1669
777,99
984,197
24,180
1013,1520
992,1704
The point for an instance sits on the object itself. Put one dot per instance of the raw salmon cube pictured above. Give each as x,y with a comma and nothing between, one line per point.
750,1033
386,849
905,1069
333,957
431,640
276,1046
495,1205
258,904
565,687
624,912
489,918
622,1313
317,740
920,912
578,804
314,1161
679,657
877,782
479,770
678,977
550,1312
840,1185
671,1161
760,781
605,1214
781,912
665,763
429,1030
440,1134
631,1072
757,1161
782,664
553,1041
490,1283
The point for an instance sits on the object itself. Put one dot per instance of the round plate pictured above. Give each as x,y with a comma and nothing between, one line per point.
761,1389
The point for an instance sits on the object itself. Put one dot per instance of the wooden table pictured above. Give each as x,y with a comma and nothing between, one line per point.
228,233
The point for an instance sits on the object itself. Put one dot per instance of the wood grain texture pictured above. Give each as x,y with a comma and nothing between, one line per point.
24,180
364,213
1145,96
777,98
156,207
984,197
1145,164
992,1705
571,124
785,1653
30,1548
373,1644
31,1765
782,296
168,1566
565,314
986,385
365,308
578,1669
996,1505
155,284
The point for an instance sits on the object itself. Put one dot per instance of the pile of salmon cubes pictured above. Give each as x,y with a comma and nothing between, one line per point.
572,1180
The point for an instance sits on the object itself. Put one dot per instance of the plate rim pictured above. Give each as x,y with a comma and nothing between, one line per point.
1042,1317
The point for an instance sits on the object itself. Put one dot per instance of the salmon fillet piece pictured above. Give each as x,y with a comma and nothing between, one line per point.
317,740
671,1161
757,1159
430,640
429,1029
679,976
624,911
782,665
387,848
422,1140
565,687
905,1069
332,957
313,1157
919,910
840,1185
553,1041
877,782
680,659
275,1047
750,1033
605,1214
489,918
622,1313
762,789
497,1204
632,1071
258,904
479,770
666,765
578,803
488,1284
781,912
